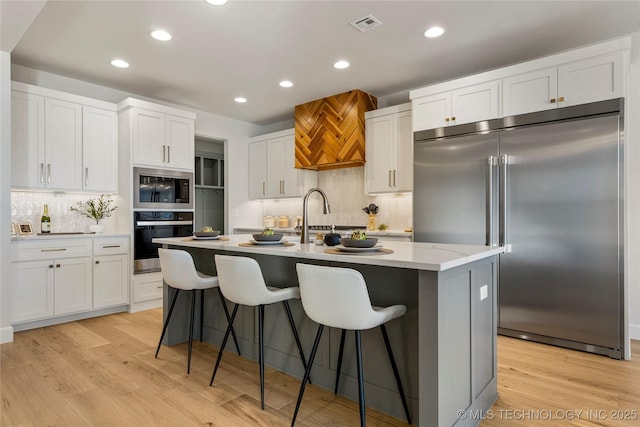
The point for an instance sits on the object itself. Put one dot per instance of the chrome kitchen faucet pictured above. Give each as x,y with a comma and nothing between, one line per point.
304,235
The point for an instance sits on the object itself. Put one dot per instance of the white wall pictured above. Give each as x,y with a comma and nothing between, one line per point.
6,331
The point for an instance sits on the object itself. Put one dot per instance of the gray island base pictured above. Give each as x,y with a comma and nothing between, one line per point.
445,345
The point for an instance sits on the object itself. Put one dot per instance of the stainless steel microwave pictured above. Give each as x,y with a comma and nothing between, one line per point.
162,189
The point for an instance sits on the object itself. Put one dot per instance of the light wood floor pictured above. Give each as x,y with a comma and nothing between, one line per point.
101,372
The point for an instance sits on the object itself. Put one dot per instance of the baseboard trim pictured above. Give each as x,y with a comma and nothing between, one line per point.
6,334
634,332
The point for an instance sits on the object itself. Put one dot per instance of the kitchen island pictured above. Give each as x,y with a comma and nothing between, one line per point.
445,344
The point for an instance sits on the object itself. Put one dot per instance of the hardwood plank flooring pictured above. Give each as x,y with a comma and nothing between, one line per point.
101,372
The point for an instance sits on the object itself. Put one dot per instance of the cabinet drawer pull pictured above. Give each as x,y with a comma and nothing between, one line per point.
97,262
552,101
561,99
53,250
110,246
57,265
159,287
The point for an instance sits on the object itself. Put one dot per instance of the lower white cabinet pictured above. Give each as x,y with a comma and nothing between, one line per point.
110,272
58,277
147,287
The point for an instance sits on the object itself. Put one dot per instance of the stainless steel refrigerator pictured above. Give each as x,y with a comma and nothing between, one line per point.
549,187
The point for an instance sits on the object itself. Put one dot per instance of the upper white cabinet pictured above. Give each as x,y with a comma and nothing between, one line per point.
589,74
577,82
100,150
389,139
62,142
272,172
463,105
159,136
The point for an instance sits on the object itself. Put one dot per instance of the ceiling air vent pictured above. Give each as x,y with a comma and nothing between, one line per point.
367,23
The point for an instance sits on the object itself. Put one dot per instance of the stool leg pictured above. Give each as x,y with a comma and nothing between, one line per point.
193,314
201,312
307,372
226,313
363,416
224,342
295,335
261,351
166,322
342,336
392,359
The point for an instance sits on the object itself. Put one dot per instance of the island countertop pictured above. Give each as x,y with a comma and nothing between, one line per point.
418,256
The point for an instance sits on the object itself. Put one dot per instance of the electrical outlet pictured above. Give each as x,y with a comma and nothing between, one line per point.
484,292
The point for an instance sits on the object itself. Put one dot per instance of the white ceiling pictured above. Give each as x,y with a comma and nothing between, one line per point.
246,47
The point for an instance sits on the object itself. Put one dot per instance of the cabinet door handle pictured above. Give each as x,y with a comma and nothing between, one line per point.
394,177
50,265
57,265
164,154
390,178
42,173
453,119
561,99
552,101
264,190
446,119
53,250
49,172
97,262
168,154
86,176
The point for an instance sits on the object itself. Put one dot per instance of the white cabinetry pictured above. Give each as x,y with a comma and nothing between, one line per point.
100,150
272,172
62,142
55,280
462,105
50,278
389,138
110,272
577,82
160,136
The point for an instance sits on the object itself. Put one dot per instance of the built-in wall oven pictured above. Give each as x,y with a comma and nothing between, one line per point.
162,189
150,224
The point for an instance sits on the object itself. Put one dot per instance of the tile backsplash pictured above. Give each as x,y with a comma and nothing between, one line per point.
26,207
345,190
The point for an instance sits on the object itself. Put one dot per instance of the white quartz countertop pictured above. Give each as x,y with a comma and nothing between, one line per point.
418,256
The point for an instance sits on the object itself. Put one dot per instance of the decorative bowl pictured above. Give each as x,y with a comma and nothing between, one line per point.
206,233
259,237
369,242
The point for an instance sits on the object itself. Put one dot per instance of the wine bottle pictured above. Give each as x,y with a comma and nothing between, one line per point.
45,220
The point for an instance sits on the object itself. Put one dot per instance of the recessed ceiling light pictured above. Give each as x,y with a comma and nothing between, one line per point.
434,32
286,83
120,63
341,65
240,100
161,35
216,2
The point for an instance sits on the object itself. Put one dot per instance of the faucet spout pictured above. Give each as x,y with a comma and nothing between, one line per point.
304,235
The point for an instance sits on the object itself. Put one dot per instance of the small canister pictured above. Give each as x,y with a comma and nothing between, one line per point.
269,221
283,221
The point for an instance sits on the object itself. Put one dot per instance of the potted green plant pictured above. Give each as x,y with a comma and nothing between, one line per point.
96,210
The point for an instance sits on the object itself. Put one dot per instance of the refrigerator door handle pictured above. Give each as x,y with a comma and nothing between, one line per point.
504,203
491,161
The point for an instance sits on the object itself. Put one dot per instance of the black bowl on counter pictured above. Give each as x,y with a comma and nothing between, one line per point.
332,239
206,233
369,242
259,237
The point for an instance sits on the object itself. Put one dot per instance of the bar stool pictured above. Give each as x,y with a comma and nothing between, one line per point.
179,272
338,297
242,283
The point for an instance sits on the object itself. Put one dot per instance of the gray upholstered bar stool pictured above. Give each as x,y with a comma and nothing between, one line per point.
179,272
338,297
242,283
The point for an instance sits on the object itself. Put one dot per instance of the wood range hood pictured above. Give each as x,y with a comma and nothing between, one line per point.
330,131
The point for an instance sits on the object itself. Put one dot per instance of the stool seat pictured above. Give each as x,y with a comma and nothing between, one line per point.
241,282
179,272
338,297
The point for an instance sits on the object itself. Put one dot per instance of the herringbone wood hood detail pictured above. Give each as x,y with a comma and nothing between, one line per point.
330,131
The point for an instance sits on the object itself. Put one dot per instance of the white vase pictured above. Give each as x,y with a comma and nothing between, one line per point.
96,228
